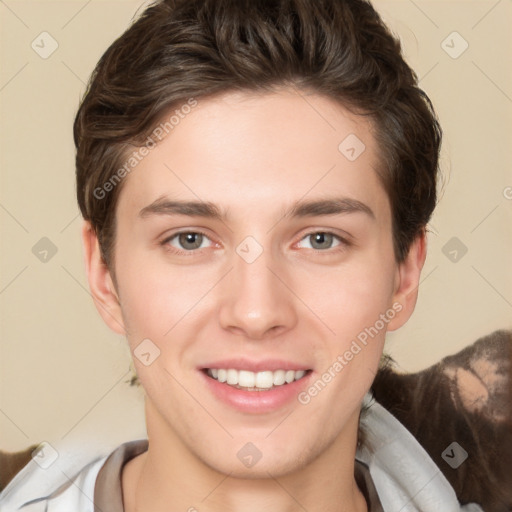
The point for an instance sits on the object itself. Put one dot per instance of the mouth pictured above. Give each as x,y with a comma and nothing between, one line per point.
255,381
256,392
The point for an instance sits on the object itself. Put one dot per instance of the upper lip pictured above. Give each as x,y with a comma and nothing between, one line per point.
255,366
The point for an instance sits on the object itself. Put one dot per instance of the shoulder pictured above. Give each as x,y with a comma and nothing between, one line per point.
404,475
58,476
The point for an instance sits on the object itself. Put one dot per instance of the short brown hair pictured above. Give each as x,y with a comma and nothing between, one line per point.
182,49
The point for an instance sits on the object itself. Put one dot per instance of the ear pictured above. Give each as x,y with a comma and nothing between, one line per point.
102,288
407,281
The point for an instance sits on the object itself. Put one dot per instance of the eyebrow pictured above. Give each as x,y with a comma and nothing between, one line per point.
310,208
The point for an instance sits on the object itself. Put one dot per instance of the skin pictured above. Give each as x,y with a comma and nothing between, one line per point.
253,156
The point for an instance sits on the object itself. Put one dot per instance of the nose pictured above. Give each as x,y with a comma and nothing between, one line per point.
256,300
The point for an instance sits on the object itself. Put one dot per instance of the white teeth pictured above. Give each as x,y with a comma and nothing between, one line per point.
279,377
264,380
290,376
255,380
246,379
232,377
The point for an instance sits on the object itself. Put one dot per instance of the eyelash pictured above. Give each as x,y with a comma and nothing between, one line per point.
180,252
344,243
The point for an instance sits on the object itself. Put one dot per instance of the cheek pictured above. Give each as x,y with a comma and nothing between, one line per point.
355,304
348,297
161,309
156,297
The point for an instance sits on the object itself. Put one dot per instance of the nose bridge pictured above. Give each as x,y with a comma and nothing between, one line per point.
255,300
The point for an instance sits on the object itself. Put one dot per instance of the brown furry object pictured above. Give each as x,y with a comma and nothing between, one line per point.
465,398
11,463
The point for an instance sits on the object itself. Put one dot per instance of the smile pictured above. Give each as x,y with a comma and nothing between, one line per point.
255,392
255,381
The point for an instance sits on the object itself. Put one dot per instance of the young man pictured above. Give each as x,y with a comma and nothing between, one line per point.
255,179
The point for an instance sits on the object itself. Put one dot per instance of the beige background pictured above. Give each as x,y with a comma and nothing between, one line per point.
64,375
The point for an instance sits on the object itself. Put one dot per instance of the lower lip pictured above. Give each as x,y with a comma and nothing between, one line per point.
257,402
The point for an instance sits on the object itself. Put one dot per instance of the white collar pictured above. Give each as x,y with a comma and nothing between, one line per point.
404,475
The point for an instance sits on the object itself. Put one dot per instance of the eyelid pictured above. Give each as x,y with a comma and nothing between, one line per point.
175,250
344,240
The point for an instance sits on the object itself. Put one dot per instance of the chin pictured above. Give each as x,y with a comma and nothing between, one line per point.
261,470
258,459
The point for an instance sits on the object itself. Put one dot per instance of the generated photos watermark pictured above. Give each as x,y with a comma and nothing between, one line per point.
344,359
138,155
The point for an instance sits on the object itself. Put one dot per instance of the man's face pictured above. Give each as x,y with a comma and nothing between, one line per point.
261,288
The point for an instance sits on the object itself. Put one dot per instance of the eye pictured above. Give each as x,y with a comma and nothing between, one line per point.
321,240
187,241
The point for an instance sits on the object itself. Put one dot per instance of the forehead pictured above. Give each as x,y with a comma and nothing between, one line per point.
258,151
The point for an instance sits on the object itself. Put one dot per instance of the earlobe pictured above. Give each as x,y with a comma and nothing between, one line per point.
407,281
104,294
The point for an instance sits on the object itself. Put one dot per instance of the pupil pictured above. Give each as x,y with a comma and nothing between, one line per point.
191,240
322,239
